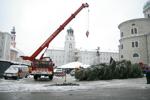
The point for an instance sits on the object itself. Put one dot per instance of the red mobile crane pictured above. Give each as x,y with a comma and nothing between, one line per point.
44,65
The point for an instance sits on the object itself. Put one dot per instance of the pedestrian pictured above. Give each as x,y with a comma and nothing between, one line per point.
148,75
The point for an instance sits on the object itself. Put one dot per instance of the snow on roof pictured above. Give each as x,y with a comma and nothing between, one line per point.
19,52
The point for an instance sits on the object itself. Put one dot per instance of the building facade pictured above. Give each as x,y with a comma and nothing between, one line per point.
8,50
15,53
135,38
5,42
71,54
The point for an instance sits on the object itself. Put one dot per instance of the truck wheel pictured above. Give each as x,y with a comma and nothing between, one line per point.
51,77
35,77
5,77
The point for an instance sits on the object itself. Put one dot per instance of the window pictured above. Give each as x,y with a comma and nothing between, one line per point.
135,55
132,44
134,31
121,56
135,44
76,53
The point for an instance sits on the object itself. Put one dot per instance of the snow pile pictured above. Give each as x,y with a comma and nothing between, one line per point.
21,86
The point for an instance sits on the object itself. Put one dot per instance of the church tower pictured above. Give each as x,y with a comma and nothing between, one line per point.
146,9
13,38
69,46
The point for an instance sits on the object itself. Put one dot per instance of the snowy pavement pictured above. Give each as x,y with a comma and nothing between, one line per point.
29,85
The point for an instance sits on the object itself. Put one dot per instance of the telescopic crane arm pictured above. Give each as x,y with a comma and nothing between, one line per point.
61,27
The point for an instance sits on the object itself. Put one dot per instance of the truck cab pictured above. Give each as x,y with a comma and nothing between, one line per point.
43,67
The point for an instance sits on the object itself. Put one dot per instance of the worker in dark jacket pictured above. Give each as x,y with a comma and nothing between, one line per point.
148,75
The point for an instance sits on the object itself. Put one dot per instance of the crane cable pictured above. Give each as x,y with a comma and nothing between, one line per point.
87,32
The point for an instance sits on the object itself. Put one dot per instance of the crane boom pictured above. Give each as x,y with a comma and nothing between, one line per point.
55,33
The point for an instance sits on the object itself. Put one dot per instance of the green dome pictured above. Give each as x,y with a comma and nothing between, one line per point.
70,30
147,5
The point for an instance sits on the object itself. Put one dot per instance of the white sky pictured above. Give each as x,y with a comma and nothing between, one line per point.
36,20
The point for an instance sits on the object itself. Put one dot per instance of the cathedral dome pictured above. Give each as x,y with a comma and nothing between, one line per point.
146,9
147,5
70,31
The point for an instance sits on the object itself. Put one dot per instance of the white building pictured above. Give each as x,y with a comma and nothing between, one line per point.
14,52
135,38
5,41
8,50
71,54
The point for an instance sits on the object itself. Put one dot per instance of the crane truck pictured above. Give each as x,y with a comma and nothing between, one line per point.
44,66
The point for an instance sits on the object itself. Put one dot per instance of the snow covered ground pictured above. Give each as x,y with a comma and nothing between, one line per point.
29,85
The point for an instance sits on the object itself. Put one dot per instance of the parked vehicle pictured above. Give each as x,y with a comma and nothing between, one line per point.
72,73
42,68
59,72
16,72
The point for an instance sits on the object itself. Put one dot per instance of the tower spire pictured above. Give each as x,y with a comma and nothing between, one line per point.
13,37
69,46
13,30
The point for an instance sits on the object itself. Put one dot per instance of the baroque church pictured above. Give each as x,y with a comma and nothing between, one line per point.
72,54
135,38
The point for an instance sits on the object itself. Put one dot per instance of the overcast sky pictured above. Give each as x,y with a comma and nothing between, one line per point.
36,20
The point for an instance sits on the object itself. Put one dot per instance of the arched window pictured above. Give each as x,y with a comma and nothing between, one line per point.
135,55
135,30
132,31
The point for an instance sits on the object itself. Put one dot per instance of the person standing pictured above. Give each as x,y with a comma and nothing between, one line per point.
148,75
